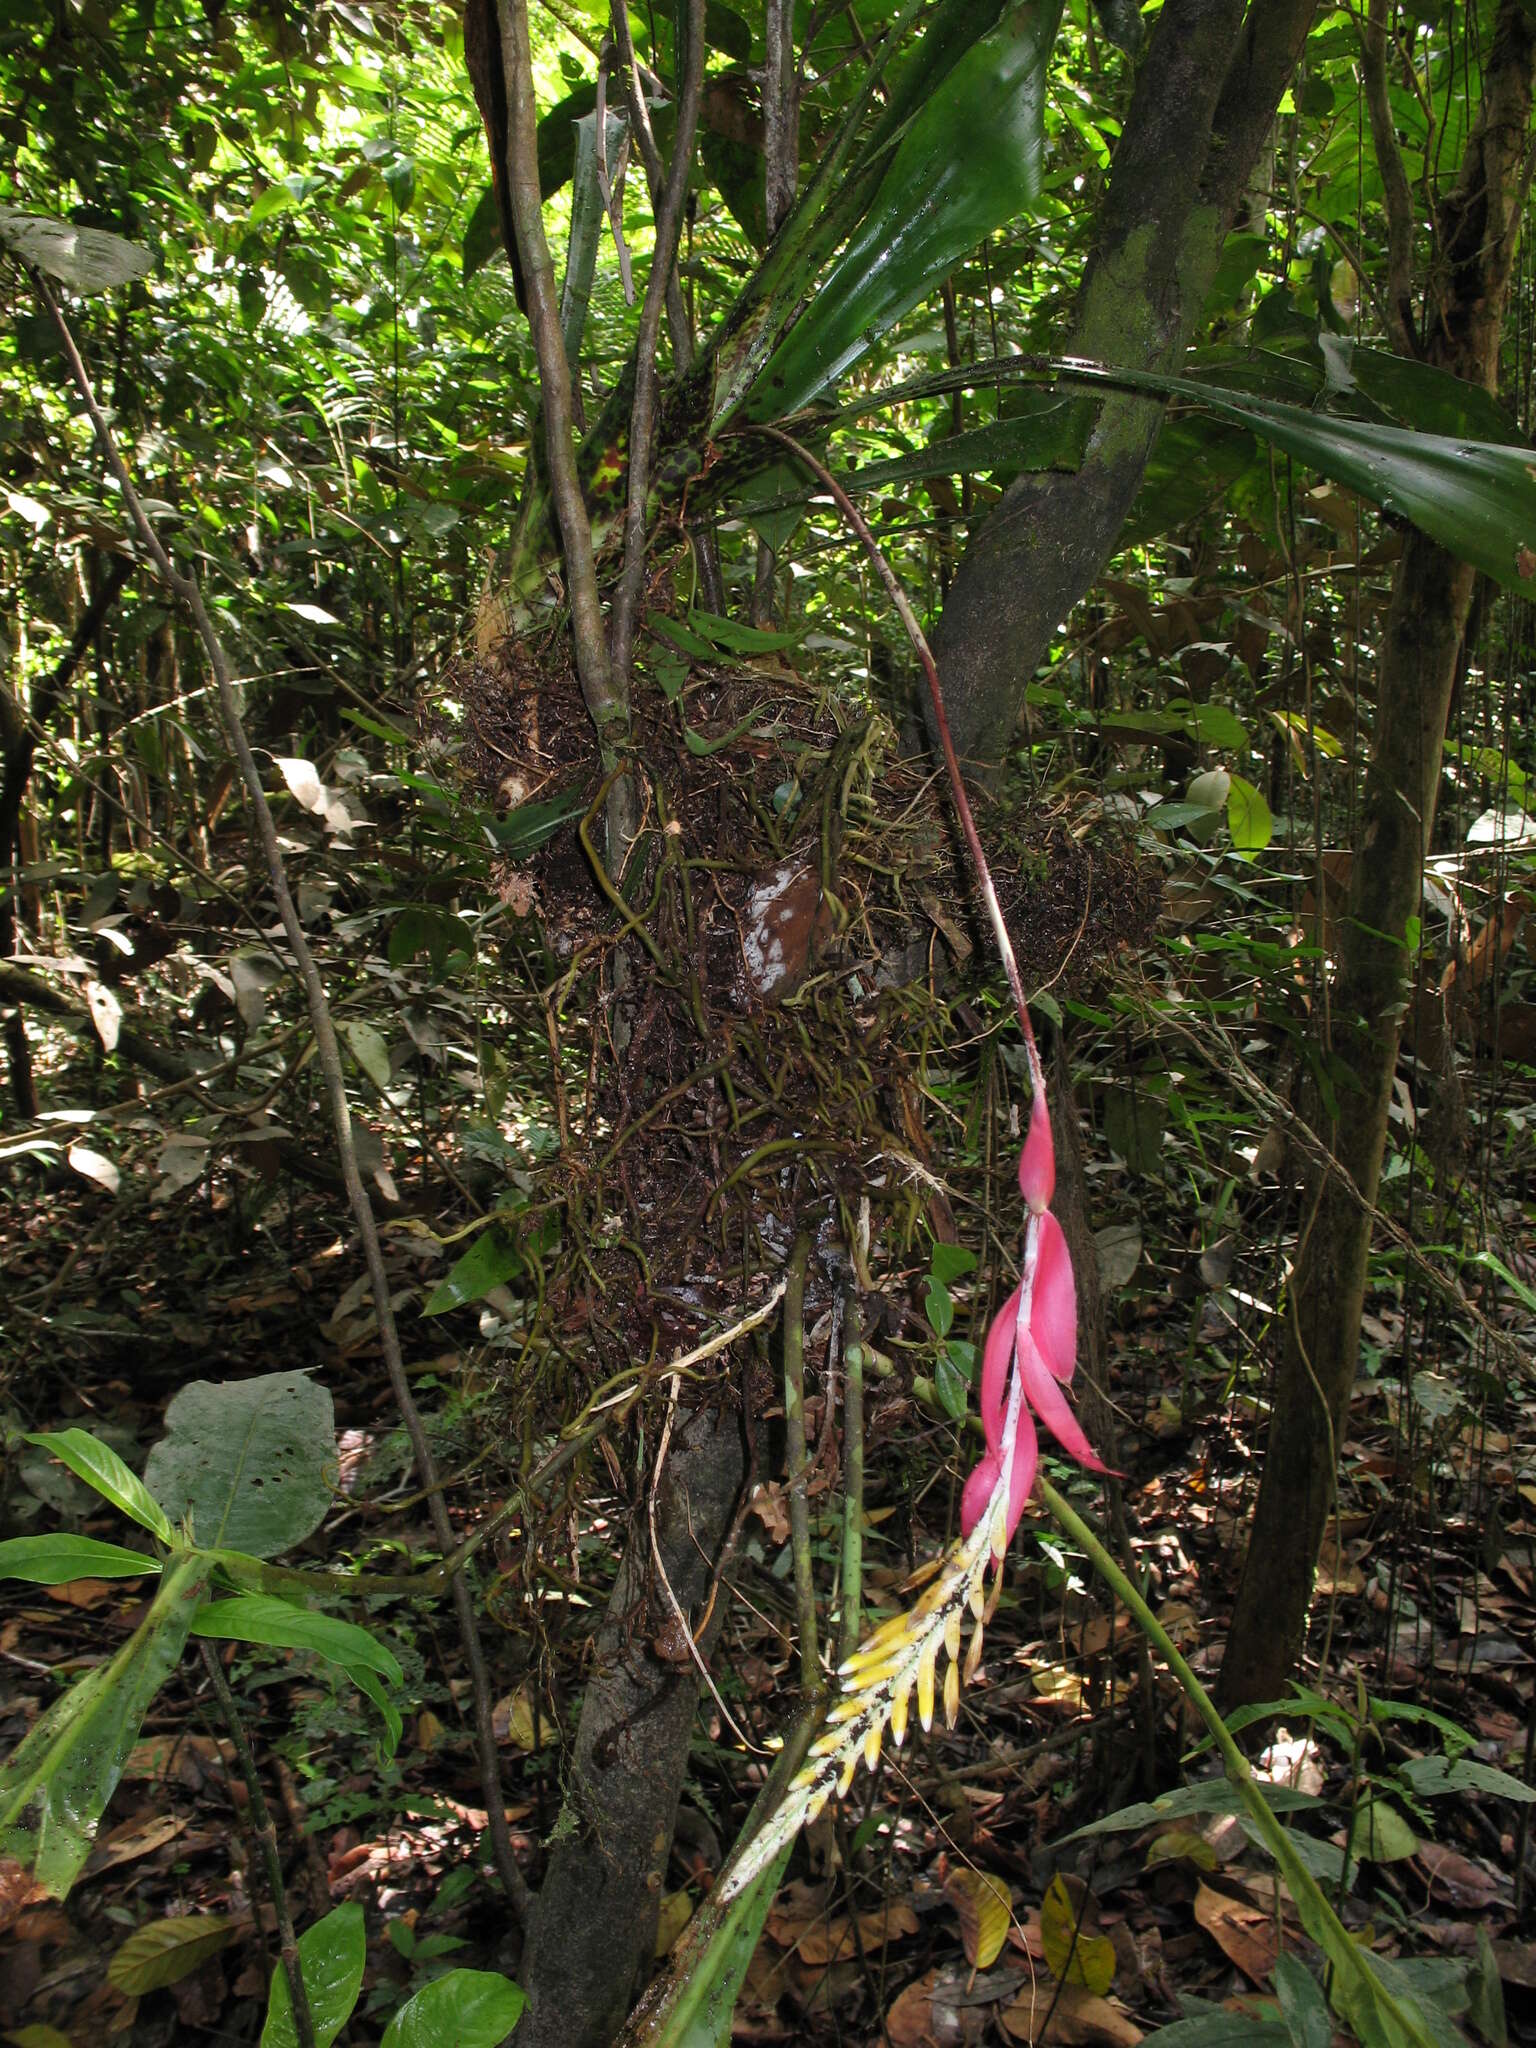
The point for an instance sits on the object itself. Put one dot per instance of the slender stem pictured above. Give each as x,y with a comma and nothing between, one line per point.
903,607
853,1477
328,1053
264,1829
794,1432
642,415
605,695
1359,1989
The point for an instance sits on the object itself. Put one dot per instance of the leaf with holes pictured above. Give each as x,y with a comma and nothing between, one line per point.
253,1462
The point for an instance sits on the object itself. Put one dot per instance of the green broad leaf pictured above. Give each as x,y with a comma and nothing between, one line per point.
490,1261
54,1560
464,2009
1437,1777
331,1958
166,1951
726,635
104,1469
526,829
379,728
1380,1833
369,1050
940,1306
422,928
1248,818
1302,2003
55,1785
82,259
389,1713
1050,436
1211,1795
252,1462
263,1618
952,1386
968,162
951,1262
1218,2028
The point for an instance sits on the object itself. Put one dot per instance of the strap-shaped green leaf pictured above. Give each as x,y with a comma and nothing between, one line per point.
263,1618
55,1786
968,163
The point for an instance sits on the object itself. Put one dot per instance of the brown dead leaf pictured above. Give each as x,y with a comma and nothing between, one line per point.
85,1593
943,2009
1455,1880
1244,1933
1516,1962
1080,2020
16,1890
190,1759
772,1510
138,1836
818,1939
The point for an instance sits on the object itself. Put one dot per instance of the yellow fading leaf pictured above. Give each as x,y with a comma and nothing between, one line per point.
1073,1953
166,1951
1182,1845
985,1911
676,1912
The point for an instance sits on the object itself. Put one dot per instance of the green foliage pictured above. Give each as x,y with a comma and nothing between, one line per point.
464,2009
241,1462
331,1958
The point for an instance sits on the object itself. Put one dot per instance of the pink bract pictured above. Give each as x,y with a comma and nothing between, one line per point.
1044,1352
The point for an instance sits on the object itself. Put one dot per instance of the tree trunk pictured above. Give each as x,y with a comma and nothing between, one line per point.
608,1867
1204,103
1478,228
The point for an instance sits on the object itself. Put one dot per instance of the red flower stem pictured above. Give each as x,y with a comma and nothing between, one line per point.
856,521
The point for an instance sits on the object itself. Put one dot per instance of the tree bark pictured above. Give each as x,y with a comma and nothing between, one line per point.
1204,102
1478,227
608,1867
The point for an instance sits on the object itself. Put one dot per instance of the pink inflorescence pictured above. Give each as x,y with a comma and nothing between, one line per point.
1034,1333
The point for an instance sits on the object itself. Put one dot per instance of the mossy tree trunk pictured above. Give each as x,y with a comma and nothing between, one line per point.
1477,229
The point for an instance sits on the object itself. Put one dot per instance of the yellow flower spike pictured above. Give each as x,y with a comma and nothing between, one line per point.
973,1652
818,1801
978,1595
899,1700
925,1665
951,1695
845,1774
848,1708
872,1746
952,1632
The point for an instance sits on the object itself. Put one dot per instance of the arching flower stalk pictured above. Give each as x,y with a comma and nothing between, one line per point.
1030,1354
